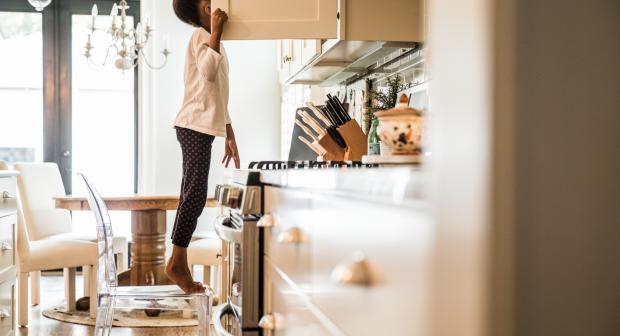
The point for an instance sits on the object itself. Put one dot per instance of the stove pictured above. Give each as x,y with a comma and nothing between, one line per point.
242,205
280,165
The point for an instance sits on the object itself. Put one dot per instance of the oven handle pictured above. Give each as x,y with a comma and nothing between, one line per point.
218,313
227,233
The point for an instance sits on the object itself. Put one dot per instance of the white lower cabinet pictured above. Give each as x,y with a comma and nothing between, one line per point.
8,273
341,266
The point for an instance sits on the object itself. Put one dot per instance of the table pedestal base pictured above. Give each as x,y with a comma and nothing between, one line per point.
148,250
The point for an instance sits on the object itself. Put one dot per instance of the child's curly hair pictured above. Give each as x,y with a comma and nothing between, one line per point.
187,11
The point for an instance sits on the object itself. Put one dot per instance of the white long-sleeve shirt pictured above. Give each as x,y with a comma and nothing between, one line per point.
205,103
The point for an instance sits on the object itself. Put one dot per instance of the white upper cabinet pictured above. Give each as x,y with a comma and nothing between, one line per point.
279,19
355,20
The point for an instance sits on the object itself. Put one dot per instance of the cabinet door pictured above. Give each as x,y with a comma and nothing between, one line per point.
279,19
285,50
296,56
310,49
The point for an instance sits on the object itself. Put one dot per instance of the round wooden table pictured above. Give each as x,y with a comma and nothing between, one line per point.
148,231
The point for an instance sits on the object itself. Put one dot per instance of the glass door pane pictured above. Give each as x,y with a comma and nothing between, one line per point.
103,125
21,87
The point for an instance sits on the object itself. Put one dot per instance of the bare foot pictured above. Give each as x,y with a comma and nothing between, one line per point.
180,275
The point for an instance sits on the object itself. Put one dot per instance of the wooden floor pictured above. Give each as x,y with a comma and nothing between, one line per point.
52,292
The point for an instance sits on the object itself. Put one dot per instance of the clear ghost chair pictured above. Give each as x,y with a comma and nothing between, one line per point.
154,298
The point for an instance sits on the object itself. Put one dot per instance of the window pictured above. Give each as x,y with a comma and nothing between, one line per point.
54,106
21,86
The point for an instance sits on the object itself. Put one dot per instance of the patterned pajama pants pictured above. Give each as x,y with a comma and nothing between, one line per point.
196,149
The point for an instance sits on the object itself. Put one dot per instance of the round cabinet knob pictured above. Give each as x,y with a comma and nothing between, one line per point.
266,221
5,246
293,235
4,314
273,321
356,270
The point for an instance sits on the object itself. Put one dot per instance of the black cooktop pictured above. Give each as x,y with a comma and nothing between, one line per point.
279,165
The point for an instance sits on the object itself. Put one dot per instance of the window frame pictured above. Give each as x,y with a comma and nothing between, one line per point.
57,89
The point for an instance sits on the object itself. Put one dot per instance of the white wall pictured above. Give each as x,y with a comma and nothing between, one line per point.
254,106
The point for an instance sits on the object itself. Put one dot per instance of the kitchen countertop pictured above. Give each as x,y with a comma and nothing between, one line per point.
397,186
8,173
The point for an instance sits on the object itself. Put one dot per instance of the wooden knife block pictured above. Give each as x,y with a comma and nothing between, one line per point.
357,142
330,149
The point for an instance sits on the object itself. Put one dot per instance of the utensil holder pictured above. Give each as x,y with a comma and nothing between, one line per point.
330,149
356,139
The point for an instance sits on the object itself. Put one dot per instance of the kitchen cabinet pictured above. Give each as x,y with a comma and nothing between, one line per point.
8,220
310,49
279,19
285,49
294,54
332,260
356,20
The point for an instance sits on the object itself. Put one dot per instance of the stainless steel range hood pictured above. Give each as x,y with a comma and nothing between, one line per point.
343,59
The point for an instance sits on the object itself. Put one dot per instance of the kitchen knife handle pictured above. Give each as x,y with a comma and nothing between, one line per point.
318,113
346,113
336,108
305,129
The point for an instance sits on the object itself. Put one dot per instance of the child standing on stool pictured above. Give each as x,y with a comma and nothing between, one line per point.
203,116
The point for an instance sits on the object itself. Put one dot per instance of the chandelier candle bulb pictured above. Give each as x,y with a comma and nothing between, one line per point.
138,34
94,13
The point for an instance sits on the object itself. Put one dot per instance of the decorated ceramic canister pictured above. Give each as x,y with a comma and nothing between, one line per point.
400,128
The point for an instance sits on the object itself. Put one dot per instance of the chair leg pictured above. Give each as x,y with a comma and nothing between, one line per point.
94,291
203,311
103,326
121,262
35,287
69,274
86,279
206,275
22,299
215,279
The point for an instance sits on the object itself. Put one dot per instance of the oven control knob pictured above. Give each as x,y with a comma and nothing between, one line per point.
227,195
273,321
266,221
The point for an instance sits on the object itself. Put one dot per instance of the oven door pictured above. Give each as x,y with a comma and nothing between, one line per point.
242,275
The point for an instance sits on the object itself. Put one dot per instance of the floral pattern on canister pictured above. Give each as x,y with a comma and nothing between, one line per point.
401,128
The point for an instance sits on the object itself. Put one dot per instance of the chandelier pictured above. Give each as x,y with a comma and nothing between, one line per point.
126,41
39,4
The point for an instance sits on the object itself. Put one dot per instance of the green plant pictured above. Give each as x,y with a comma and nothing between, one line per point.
384,99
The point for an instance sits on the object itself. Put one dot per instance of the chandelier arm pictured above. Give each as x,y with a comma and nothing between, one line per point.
146,61
105,60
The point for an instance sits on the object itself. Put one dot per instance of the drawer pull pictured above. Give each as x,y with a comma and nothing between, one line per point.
4,314
265,221
5,246
293,235
354,271
273,321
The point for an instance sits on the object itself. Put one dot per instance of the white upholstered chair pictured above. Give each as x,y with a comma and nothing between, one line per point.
38,183
35,256
205,252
